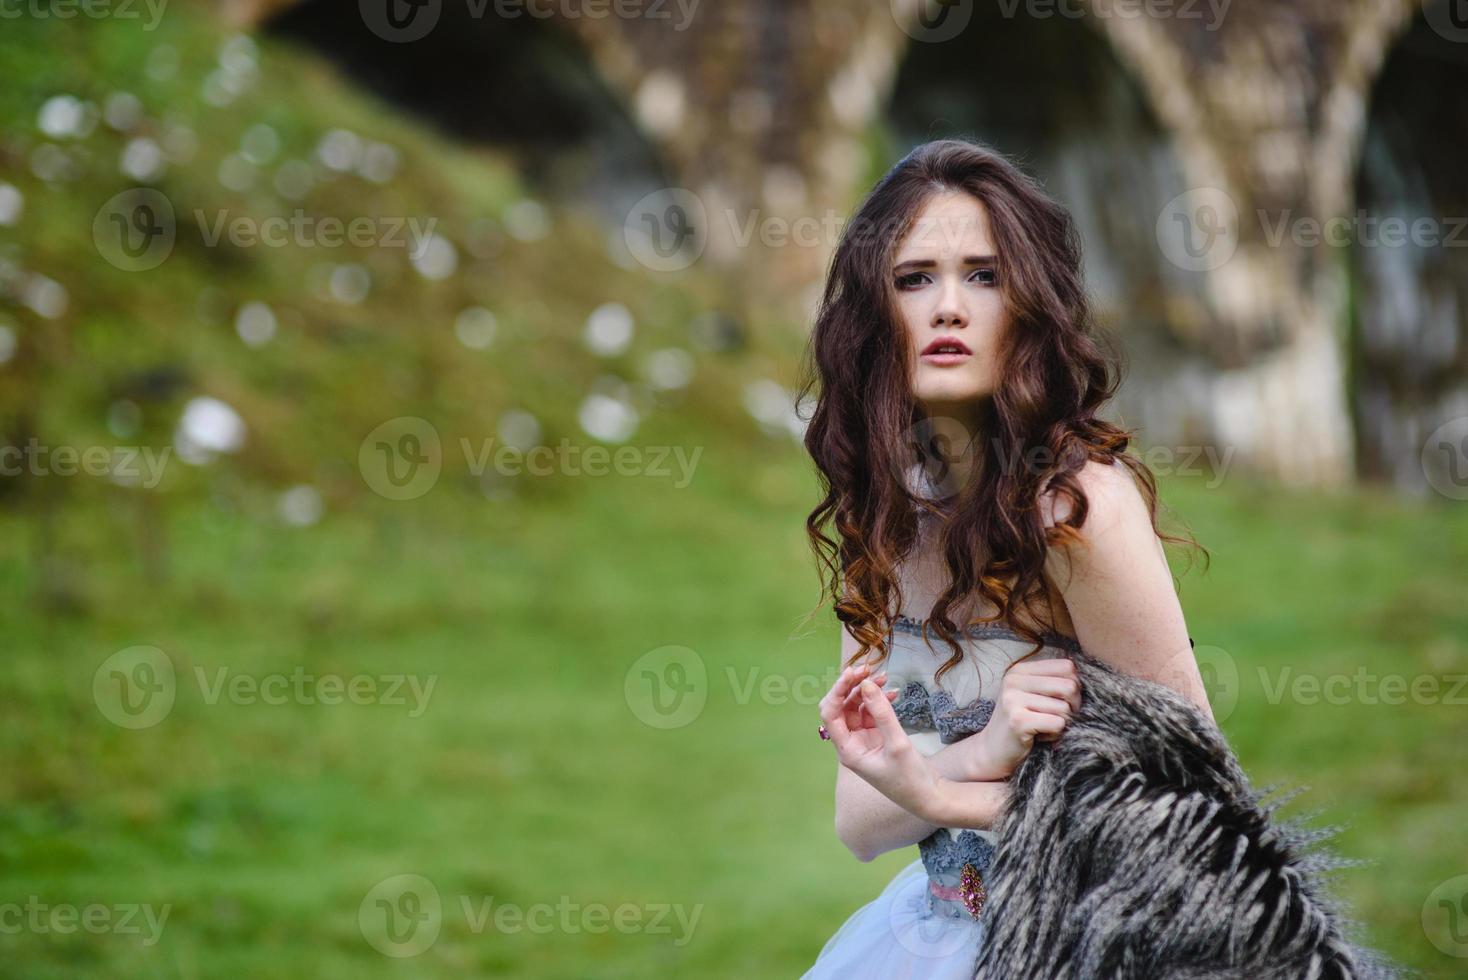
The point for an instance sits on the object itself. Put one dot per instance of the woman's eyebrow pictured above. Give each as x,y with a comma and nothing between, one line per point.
930,263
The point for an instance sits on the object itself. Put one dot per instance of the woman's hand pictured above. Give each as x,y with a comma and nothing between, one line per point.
870,741
855,711
1035,701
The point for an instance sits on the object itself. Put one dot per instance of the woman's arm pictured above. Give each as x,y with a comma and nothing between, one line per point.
1118,588
953,787
889,796
869,823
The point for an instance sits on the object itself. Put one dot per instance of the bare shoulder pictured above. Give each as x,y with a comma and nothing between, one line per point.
1117,587
1112,498
1117,540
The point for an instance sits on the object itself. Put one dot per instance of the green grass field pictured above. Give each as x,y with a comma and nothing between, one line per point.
529,777
538,775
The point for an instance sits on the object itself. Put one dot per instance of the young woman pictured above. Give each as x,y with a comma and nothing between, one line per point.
980,521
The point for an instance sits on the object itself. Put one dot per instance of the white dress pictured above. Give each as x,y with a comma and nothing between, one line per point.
920,925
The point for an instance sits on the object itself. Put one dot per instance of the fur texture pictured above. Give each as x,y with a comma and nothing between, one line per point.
1134,847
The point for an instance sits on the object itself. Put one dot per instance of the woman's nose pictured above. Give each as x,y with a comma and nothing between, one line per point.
949,313
949,318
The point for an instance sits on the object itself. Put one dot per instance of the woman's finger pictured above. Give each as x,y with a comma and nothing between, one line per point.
1039,723
830,704
836,696
853,702
850,677
1056,687
1050,666
882,714
852,705
854,698
1045,704
866,716
833,714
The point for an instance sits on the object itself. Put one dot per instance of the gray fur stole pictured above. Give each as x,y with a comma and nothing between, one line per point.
1134,847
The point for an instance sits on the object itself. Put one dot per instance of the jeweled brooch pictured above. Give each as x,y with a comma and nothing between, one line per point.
971,888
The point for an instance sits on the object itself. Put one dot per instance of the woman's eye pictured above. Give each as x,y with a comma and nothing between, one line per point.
912,280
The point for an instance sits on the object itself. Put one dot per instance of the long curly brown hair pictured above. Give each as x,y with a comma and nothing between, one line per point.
867,433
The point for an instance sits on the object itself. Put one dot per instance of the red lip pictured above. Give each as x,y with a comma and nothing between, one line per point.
957,347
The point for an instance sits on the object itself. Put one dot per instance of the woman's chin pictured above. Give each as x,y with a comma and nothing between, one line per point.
948,399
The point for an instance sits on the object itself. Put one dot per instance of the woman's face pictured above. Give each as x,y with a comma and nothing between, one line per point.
945,277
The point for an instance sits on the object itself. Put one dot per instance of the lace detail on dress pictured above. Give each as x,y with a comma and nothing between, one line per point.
966,857
990,631
945,853
921,710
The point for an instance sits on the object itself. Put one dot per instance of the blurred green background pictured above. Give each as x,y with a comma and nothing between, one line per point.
539,771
